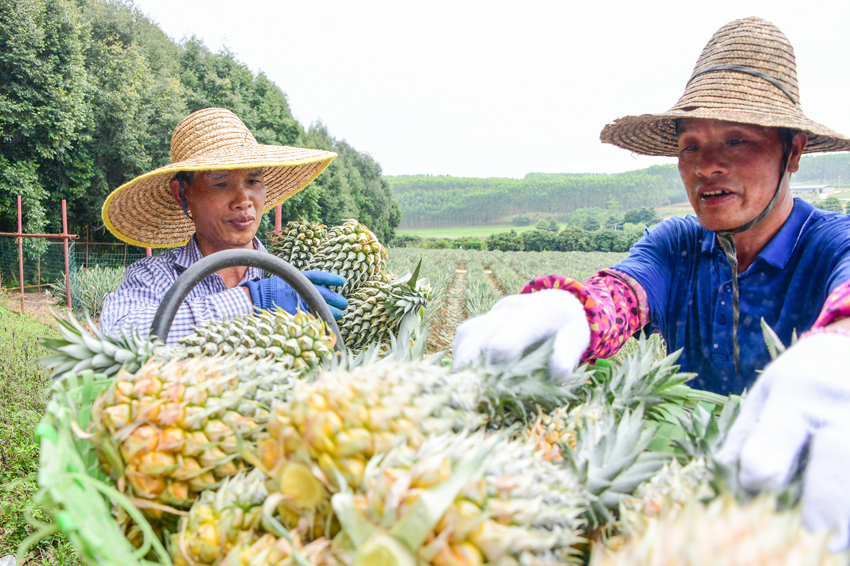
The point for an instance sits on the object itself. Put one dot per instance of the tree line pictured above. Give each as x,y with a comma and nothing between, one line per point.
428,201
90,91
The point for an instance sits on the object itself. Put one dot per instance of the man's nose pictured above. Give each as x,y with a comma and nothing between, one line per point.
242,197
712,160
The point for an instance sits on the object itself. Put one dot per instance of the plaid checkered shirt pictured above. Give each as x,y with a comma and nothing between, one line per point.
135,301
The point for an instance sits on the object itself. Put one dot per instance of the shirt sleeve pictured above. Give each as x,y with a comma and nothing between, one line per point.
615,305
134,303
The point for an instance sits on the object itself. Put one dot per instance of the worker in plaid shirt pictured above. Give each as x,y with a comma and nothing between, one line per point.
210,198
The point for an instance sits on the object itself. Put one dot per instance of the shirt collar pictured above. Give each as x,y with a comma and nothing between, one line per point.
191,254
779,250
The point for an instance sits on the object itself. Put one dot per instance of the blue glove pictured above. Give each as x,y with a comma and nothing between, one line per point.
274,292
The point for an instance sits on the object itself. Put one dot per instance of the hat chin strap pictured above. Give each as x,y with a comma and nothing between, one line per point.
727,242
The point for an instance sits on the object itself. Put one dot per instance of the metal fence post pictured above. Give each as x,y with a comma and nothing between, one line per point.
21,253
278,217
65,239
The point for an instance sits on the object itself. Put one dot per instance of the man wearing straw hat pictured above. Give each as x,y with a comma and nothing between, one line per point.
705,283
210,198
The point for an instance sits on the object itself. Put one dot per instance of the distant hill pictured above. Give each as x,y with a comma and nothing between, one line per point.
824,168
429,201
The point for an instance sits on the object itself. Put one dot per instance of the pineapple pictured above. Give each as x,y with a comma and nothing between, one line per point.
172,429
465,499
335,425
352,251
268,550
298,341
673,486
560,426
82,348
217,518
298,242
723,532
376,309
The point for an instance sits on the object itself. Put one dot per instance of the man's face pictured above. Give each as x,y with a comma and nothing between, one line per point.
731,170
226,207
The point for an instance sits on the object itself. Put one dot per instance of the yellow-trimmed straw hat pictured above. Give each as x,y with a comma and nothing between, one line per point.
143,212
747,73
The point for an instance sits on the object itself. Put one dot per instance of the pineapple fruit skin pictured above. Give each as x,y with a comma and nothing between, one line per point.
298,242
297,341
723,532
518,509
168,430
353,252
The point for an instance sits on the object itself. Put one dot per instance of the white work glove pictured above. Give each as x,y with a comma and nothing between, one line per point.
519,321
803,396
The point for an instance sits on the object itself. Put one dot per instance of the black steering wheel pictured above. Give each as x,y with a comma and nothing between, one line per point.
232,258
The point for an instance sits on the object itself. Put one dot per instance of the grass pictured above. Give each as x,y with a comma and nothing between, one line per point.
467,231
22,403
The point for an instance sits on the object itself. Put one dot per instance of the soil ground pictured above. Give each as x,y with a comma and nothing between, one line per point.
37,304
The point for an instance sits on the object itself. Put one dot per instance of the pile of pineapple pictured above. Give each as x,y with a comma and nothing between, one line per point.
189,456
379,302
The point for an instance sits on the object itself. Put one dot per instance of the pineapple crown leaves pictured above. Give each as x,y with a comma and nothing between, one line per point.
519,388
640,380
82,348
775,347
705,433
610,458
404,535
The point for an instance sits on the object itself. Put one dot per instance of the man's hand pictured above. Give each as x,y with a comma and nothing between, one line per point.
275,292
802,397
519,321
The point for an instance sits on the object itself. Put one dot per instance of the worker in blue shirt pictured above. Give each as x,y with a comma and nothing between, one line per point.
704,283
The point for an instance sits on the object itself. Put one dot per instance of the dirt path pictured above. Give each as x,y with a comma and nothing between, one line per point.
495,282
451,314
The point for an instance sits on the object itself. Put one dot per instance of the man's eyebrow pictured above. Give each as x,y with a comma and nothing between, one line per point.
255,173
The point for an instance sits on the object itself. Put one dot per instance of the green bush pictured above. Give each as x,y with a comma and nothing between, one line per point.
468,243
89,288
522,220
505,241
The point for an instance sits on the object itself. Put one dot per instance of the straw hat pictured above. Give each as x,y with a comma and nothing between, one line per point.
747,73
143,212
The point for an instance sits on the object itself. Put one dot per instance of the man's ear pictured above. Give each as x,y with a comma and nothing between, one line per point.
175,191
801,139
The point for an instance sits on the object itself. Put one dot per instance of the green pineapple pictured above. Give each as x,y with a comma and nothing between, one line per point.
375,311
298,242
352,251
298,341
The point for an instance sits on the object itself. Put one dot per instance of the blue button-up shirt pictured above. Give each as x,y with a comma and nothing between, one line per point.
688,283
136,300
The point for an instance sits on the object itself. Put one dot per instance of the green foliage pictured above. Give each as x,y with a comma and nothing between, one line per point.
539,240
505,242
90,92
89,288
832,204
833,168
22,402
438,201
468,243
522,220
645,215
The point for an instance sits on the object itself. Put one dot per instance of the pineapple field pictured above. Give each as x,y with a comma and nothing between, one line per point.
261,441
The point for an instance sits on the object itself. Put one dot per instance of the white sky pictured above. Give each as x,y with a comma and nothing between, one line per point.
499,89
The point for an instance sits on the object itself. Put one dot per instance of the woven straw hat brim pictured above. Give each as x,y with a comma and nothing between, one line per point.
655,134
143,213
747,73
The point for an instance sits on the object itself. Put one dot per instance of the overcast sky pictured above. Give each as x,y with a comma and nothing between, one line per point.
499,89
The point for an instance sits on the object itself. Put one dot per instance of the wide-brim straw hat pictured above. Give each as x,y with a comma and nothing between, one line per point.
143,212
747,73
